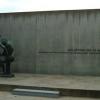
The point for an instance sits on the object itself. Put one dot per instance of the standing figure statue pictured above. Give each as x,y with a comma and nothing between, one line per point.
6,58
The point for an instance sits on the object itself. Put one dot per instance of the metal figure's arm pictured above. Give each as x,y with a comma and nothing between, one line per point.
3,47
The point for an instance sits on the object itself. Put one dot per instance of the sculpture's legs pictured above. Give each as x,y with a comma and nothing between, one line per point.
7,69
3,68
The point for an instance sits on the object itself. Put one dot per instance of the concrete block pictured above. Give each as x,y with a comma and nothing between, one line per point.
31,92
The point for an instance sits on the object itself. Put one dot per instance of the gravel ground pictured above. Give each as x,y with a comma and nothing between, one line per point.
9,96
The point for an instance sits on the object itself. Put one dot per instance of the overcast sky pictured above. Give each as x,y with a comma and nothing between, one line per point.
46,5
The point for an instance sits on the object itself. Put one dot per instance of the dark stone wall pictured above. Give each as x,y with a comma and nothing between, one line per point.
42,40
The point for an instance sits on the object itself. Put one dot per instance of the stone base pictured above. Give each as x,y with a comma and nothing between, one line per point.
5,75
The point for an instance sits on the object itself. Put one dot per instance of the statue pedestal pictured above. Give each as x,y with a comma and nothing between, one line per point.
5,75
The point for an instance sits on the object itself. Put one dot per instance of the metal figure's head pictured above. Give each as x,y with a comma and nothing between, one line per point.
4,41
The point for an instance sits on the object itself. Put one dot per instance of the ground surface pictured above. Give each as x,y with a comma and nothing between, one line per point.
9,96
56,81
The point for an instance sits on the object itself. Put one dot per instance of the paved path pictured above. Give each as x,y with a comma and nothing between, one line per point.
55,81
